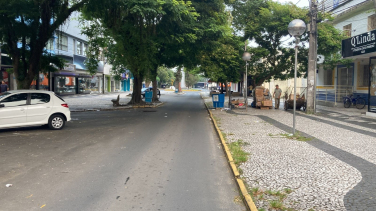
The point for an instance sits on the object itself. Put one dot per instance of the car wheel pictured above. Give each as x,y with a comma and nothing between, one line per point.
56,122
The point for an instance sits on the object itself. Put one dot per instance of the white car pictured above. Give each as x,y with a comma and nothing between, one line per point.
20,108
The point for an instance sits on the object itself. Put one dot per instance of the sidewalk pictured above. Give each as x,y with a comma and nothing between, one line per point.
96,102
86,102
329,165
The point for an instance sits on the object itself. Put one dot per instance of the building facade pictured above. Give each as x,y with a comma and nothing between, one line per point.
357,20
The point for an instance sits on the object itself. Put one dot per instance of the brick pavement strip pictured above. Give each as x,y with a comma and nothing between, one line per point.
332,171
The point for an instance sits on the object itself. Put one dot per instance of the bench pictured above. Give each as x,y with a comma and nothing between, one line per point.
115,102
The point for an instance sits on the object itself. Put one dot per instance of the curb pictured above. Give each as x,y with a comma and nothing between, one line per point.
250,205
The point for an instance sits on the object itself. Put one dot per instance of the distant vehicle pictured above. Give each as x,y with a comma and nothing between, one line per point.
20,108
150,89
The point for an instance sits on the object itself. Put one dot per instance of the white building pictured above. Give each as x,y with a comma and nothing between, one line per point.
357,19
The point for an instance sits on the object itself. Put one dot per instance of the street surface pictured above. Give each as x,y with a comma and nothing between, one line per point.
166,158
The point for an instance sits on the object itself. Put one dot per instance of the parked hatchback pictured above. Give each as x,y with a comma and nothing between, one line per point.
20,108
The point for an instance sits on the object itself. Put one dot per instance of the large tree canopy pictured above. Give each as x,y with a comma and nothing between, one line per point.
265,22
25,28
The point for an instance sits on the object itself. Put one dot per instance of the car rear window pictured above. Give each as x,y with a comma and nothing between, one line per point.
59,97
39,98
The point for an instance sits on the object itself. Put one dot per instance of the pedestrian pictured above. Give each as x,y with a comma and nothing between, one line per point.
3,87
267,94
277,96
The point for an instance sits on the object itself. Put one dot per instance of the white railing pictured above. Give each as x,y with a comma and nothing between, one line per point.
333,93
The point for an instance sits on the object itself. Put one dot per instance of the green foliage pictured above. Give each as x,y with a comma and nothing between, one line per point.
166,75
191,79
137,34
25,28
223,63
265,22
239,155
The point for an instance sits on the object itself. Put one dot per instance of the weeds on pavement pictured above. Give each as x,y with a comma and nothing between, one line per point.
296,136
274,199
239,155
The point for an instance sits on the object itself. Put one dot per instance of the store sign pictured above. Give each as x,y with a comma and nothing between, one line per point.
360,44
70,67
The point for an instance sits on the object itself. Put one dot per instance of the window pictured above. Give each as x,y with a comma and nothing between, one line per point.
15,100
345,77
65,85
363,76
347,30
371,22
39,98
62,42
84,49
328,77
78,47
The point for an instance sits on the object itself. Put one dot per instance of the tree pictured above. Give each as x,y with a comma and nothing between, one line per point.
265,22
25,28
191,79
135,28
165,75
224,64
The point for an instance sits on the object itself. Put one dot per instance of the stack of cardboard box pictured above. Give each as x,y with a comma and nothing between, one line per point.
259,92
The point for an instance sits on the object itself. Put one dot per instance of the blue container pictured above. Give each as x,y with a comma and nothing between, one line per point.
218,100
148,97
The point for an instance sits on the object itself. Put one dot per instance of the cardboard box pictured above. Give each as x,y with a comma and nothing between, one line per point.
267,103
258,104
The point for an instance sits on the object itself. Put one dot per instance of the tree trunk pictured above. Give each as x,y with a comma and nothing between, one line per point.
137,86
155,92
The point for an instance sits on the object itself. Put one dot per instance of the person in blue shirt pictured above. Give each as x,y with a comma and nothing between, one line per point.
3,87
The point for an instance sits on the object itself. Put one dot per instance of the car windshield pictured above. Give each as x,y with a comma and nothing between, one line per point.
4,94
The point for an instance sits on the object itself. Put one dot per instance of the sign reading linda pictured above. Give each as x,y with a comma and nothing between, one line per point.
360,44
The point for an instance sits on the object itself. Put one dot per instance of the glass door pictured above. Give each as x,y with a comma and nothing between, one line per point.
372,88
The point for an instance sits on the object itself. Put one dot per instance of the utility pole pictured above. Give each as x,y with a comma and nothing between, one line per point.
312,58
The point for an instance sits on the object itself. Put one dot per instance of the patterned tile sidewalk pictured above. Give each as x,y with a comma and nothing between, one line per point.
333,170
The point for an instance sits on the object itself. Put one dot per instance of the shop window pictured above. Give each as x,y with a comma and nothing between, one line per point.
84,85
43,82
62,42
95,84
65,85
363,76
117,85
372,87
347,30
371,22
328,77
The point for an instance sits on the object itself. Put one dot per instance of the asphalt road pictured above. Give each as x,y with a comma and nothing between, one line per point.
168,158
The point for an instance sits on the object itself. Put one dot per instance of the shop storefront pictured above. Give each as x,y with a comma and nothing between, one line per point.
362,49
5,76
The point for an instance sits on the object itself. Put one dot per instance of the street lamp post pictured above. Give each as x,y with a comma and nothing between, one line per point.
296,28
246,57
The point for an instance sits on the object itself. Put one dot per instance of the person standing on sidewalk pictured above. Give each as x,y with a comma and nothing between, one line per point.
3,87
277,96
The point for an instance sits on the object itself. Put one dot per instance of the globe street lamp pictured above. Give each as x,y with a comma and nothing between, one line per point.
296,28
246,57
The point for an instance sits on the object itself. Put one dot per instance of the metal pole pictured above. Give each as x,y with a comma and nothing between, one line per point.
295,74
246,85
